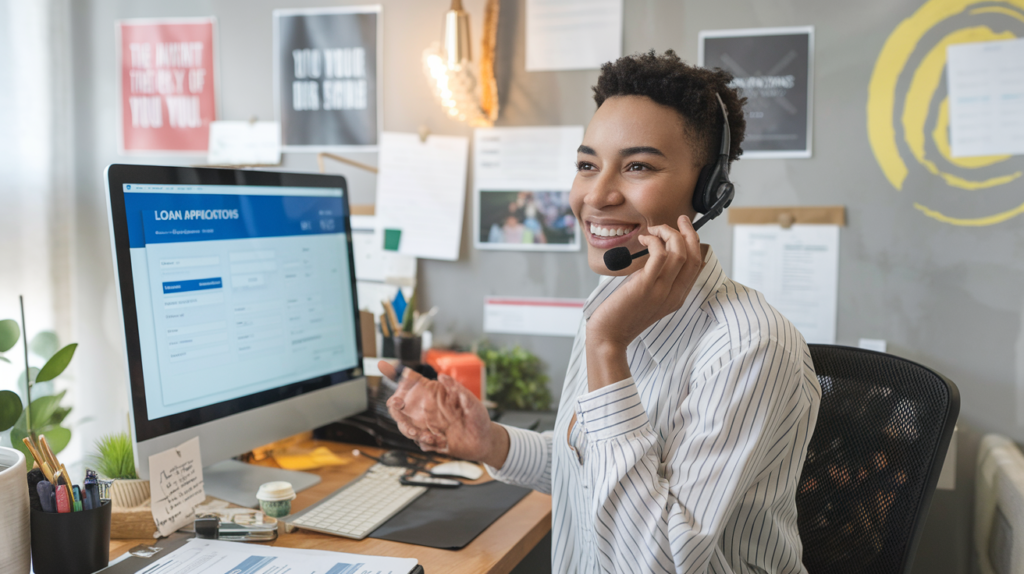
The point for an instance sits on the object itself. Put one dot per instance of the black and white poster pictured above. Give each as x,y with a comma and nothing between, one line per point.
772,68
327,77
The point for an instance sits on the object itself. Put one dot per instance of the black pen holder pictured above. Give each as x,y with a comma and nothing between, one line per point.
71,543
409,349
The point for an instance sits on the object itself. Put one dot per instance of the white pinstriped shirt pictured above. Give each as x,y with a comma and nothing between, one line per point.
691,465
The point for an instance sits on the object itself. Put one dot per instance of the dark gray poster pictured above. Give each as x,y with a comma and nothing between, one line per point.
773,70
327,77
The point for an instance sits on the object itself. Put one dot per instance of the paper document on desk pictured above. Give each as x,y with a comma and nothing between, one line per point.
217,557
421,194
176,479
797,271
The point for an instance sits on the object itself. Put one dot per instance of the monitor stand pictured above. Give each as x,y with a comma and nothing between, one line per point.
237,482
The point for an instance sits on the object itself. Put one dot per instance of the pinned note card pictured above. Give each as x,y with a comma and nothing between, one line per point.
176,484
421,193
245,143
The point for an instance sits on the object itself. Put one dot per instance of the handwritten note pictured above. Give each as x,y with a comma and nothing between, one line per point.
176,483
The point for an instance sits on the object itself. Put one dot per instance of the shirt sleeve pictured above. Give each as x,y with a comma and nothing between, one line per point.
528,463
668,517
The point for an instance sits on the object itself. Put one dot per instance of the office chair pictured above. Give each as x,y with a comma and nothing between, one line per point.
874,459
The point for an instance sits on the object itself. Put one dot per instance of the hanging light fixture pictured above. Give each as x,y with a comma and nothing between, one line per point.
449,69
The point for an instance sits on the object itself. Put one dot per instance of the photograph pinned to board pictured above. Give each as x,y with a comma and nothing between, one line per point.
522,178
168,85
327,73
774,69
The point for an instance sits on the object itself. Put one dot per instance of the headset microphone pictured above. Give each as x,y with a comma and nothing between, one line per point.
713,193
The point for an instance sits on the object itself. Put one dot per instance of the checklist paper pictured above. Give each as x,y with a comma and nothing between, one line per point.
176,486
421,193
572,34
986,98
217,557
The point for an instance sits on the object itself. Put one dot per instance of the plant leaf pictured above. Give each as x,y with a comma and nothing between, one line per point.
9,333
44,344
57,437
42,410
10,409
16,435
57,363
4,359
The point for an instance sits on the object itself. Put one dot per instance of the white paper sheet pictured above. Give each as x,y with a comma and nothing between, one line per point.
572,34
986,98
373,263
533,167
216,557
533,316
244,143
797,270
421,191
176,481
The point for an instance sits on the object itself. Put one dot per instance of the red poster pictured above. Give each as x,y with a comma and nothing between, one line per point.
167,84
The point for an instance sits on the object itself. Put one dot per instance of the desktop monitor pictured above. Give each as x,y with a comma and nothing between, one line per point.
238,295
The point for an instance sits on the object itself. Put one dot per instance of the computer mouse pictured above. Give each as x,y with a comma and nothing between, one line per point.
395,458
459,469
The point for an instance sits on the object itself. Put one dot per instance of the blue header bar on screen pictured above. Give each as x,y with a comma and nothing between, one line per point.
184,217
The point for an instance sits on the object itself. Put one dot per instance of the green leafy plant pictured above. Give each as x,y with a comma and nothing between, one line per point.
114,457
44,414
515,378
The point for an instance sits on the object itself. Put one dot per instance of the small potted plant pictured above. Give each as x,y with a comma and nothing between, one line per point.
515,378
115,460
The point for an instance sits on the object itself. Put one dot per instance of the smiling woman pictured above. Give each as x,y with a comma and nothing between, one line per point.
688,398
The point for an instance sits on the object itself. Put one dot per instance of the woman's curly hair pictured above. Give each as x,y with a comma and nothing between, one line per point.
690,90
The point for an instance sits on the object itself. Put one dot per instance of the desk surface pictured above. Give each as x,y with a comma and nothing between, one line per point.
498,549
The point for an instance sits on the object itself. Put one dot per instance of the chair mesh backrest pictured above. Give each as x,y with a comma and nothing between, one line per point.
870,463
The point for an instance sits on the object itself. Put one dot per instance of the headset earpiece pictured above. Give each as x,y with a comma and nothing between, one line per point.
715,175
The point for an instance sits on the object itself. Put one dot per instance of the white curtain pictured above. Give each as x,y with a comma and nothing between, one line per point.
36,163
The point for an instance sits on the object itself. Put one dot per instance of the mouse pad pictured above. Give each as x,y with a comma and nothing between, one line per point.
450,518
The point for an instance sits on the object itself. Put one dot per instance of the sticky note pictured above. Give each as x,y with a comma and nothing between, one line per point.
392,238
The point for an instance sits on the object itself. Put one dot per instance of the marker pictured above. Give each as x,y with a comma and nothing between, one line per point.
92,490
45,490
63,502
77,505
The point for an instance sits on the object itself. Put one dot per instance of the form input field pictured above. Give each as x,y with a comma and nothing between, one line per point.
253,267
248,280
242,256
183,262
193,329
256,306
193,300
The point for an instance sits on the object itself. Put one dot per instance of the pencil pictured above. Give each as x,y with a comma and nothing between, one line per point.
42,461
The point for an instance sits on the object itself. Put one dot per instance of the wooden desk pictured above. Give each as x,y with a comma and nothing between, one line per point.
498,549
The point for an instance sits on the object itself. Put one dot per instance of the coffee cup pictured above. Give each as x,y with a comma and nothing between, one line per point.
276,498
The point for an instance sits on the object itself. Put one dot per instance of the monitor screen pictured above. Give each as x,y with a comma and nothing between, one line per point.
240,295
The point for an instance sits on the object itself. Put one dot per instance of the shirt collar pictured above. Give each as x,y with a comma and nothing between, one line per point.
655,337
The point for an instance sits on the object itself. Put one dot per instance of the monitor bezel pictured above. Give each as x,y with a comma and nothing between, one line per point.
120,174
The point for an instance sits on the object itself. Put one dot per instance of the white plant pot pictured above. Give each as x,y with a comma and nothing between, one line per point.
129,493
14,518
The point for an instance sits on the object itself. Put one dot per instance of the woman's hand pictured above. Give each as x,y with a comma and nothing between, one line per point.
656,290
444,416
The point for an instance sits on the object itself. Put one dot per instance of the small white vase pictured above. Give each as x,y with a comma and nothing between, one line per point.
129,493
15,534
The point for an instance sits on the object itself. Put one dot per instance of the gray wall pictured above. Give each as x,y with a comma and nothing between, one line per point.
949,297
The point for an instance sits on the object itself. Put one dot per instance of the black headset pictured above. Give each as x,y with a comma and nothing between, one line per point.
714,191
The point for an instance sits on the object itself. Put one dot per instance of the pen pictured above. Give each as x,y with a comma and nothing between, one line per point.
92,490
54,463
77,505
63,503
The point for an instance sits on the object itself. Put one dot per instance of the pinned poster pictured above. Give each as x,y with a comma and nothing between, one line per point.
572,34
986,98
168,84
327,77
773,68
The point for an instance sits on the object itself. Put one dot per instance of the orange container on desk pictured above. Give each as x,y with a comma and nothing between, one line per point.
466,368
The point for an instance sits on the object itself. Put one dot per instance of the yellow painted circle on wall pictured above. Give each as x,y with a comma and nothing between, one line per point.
962,21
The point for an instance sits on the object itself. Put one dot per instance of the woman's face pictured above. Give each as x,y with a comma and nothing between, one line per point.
636,170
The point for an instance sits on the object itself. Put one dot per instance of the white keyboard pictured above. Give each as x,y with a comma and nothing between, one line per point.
358,508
